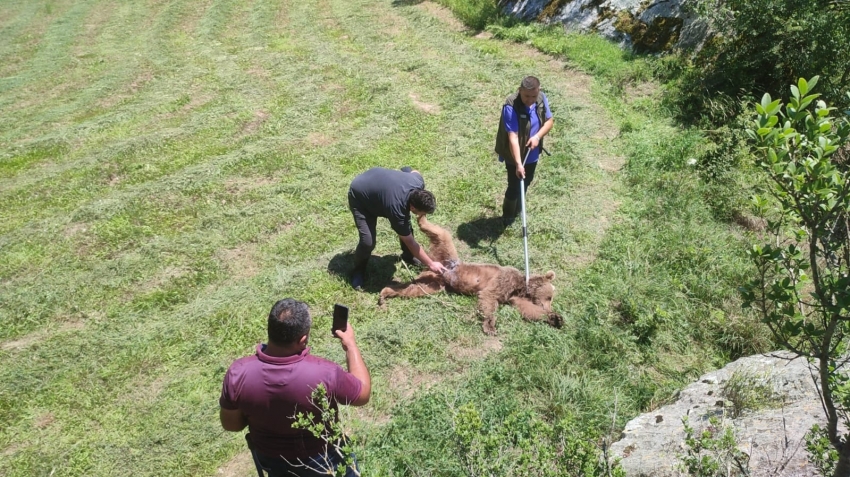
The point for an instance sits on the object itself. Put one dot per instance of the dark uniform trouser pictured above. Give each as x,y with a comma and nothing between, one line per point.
366,229
511,206
365,224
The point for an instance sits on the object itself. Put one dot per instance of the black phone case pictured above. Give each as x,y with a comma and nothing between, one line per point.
340,321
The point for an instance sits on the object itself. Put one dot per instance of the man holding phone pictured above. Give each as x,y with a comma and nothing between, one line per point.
265,391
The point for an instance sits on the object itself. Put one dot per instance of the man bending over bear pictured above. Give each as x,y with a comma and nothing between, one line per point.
393,194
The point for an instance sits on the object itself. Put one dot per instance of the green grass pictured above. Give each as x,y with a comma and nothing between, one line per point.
170,169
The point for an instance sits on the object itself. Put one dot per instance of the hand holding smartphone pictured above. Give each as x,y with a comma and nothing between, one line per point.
340,321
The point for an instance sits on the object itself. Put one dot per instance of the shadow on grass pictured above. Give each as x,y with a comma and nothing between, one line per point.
486,230
405,3
379,273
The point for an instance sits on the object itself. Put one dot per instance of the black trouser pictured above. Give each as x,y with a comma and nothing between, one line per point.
512,192
315,466
365,224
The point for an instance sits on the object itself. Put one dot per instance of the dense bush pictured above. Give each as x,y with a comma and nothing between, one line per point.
474,13
763,45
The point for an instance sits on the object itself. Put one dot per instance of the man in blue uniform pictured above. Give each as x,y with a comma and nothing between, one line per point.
526,118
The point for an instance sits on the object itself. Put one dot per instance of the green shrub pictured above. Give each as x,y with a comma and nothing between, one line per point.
747,391
713,452
820,450
763,45
476,14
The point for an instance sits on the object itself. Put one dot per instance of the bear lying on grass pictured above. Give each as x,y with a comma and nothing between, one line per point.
493,284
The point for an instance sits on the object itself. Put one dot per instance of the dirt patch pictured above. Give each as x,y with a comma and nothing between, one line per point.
404,381
49,95
643,89
477,351
327,19
10,451
393,29
241,465
612,163
423,106
346,108
749,222
240,185
45,420
370,415
40,335
240,261
259,71
142,390
284,228
139,82
317,139
253,125
23,342
196,101
163,277
443,14
74,228
192,20
92,28
282,19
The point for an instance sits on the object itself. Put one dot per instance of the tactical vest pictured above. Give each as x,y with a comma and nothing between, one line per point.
503,146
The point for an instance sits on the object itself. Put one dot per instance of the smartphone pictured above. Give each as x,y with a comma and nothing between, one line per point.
340,319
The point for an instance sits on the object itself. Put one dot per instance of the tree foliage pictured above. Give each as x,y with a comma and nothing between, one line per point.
763,45
802,289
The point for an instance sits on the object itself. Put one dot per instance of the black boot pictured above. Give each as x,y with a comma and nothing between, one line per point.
518,210
358,276
509,211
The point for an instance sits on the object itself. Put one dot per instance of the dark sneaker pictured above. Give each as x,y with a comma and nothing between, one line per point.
357,280
508,221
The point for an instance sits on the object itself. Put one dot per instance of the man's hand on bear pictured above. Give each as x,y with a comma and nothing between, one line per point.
436,267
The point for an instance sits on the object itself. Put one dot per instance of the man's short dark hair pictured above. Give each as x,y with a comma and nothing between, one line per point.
530,82
289,320
423,200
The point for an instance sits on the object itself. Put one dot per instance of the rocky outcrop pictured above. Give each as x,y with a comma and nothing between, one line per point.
654,26
651,444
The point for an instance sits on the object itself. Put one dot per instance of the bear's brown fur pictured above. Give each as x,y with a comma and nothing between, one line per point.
493,284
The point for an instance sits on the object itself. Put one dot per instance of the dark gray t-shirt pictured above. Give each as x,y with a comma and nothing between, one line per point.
381,192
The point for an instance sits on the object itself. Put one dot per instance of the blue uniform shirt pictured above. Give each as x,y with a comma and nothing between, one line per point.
512,125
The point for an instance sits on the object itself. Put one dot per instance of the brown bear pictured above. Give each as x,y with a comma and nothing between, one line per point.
493,284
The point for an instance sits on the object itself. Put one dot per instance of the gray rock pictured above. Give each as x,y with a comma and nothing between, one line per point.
653,26
652,443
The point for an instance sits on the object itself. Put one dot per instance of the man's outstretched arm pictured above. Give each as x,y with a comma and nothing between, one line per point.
419,253
356,365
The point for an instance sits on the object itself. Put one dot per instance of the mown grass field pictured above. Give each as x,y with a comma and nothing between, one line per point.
169,169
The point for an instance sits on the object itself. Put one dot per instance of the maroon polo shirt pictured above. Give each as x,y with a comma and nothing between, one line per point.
269,390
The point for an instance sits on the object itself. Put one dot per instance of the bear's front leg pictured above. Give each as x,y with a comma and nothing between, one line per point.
487,306
528,309
531,311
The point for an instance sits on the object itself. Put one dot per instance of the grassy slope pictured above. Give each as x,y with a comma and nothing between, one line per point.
169,169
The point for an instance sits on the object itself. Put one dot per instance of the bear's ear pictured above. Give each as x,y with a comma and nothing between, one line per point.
550,275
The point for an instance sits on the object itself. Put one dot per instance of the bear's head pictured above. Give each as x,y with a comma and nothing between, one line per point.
542,292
